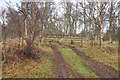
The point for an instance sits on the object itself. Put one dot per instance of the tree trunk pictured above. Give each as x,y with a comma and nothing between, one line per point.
45,40
22,34
34,22
41,33
110,22
26,30
116,43
85,27
92,26
4,49
101,31
81,42
81,39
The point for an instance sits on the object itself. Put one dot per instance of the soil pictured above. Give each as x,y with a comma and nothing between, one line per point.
61,68
99,68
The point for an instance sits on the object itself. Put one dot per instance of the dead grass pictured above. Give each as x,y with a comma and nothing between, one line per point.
20,66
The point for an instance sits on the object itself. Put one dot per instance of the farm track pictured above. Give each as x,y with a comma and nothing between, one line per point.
62,69
100,69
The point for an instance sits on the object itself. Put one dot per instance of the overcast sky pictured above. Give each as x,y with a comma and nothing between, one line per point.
13,3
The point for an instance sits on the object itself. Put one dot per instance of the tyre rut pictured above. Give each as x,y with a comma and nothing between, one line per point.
100,69
62,69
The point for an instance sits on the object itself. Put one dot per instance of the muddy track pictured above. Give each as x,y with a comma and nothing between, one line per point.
100,69
62,69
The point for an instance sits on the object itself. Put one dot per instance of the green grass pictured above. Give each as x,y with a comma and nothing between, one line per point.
108,55
42,68
108,44
43,47
102,55
55,43
46,48
29,68
76,62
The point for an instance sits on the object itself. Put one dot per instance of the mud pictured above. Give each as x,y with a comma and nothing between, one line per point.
62,69
100,69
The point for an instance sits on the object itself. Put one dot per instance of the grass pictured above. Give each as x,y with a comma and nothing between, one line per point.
54,43
103,56
44,47
108,44
77,63
42,68
30,68
108,55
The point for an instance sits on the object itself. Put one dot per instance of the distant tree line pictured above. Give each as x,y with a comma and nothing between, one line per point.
95,21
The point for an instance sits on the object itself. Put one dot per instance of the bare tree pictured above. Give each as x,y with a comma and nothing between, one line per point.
101,28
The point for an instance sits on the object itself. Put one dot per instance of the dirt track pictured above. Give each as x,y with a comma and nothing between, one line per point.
100,69
62,69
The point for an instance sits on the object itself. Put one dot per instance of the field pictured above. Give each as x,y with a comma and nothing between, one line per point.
59,59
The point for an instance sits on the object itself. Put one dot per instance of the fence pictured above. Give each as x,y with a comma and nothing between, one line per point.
62,36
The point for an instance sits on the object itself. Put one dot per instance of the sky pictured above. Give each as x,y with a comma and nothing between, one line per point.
13,3
3,5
